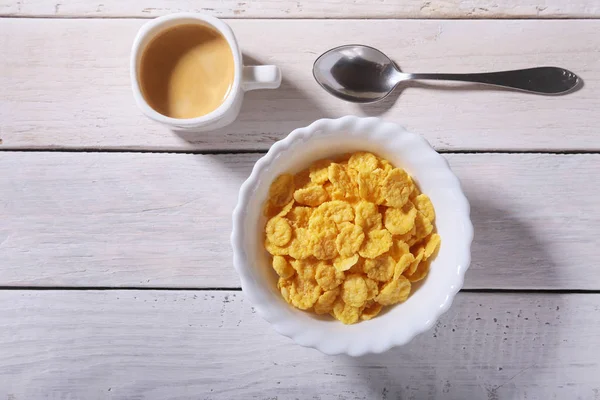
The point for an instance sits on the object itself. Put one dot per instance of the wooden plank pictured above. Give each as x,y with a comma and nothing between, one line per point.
73,90
306,8
190,345
164,220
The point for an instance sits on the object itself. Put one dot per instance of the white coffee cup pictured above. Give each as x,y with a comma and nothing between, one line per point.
245,77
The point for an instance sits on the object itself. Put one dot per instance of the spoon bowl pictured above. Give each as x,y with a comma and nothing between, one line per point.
363,74
356,73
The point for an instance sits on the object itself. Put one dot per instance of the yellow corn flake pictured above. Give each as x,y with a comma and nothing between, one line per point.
281,190
279,231
346,313
341,181
352,174
283,267
344,264
423,225
336,210
326,301
398,249
355,291
418,257
301,179
348,237
349,240
414,193
323,242
372,288
386,166
408,238
358,267
367,216
270,210
370,186
405,261
421,272
299,216
363,162
306,269
376,243
284,287
394,292
318,171
432,244
300,246
371,310
333,192
276,250
311,196
400,220
423,204
328,277
396,188
304,293
380,268
286,209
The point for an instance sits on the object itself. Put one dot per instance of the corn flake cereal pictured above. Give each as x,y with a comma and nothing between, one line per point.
376,243
368,216
282,266
371,311
326,301
381,268
281,190
311,196
369,185
328,277
346,313
423,204
318,171
279,231
348,236
396,187
394,292
304,293
341,181
300,246
344,264
363,162
299,216
400,220
349,240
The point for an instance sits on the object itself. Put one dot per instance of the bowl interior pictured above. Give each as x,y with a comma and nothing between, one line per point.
431,173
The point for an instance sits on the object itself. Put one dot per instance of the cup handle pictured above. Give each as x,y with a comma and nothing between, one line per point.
261,77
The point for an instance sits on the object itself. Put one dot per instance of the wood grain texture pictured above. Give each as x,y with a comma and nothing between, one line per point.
164,220
307,8
73,91
210,345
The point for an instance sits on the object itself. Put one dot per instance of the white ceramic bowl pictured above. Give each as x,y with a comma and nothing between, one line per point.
398,324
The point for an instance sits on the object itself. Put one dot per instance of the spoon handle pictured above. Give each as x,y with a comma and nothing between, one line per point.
544,80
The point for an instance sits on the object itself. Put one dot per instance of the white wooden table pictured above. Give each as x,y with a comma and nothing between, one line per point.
115,265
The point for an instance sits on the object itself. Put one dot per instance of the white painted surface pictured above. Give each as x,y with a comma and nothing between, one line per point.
307,8
209,345
164,220
73,91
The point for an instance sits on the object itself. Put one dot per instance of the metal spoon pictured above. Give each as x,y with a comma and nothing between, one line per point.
362,74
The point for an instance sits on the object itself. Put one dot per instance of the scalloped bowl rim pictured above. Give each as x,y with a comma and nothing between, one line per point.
294,324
